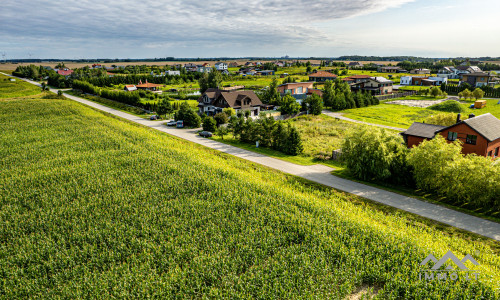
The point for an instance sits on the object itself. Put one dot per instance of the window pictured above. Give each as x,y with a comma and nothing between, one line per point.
496,151
299,90
471,139
452,136
490,153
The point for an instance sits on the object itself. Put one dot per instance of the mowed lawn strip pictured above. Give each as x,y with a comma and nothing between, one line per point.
17,88
96,207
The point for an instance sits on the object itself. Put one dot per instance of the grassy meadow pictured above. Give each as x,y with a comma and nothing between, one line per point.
18,88
403,116
93,206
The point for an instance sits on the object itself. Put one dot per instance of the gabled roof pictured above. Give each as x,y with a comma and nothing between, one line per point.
297,83
323,74
381,79
65,72
148,85
232,98
486,125
359,76
423,130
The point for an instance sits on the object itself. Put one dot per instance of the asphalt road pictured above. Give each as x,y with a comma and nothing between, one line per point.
321,174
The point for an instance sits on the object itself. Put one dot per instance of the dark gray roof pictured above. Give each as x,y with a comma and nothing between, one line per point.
423,130
486,125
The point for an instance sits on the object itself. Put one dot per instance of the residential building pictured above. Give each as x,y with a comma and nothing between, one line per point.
448,72
356,79
153,87
322,76
266,72
480,135
64,72
233,65
405,80
355,65
386,69
214,101
173,73
478,79
221,66
420,71
374,85
130,88
467,69
297,89
204,69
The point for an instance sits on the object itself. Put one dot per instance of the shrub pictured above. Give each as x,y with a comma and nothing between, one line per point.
443,119
209,124
376,154
448,106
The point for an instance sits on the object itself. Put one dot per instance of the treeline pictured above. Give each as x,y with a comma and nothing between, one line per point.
135,79
434,166
338,96
454,89
131,98
31,72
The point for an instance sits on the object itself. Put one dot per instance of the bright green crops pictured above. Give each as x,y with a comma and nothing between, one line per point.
94,207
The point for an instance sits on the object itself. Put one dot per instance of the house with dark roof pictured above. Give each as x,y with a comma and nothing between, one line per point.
214,100
355,65
322,76
478,79
374,85
389,69
356,79
479,135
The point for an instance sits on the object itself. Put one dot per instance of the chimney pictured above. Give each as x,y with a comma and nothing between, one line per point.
471,116
458,118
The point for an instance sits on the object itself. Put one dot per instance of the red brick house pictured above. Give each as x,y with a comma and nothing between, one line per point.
480,135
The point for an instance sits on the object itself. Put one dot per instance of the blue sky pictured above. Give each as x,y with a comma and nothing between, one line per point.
216,28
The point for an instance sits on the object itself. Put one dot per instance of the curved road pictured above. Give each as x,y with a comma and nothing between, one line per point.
321,174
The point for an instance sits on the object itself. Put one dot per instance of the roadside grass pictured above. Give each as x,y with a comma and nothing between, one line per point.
418,194
7,71
415,97
17,88
403,116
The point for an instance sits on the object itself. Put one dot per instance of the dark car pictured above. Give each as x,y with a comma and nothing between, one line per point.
172,123
154,117
206,134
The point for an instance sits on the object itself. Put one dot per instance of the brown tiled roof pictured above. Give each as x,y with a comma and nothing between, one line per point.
323,74
359,76
148,85
477,74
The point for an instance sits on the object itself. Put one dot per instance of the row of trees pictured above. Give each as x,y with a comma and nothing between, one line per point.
456,89
338,95
466,94
434,166
131,98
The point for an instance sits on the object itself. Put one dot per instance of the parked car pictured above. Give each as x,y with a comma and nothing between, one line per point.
180,124
171,123
154,117
206,134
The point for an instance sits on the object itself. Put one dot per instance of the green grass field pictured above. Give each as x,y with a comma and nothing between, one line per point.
18,88
96,207
403,116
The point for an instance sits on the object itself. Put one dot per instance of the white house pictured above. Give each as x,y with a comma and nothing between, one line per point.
439,80
405,80
221,66
175,73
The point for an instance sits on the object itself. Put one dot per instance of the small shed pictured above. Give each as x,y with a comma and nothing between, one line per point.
480,104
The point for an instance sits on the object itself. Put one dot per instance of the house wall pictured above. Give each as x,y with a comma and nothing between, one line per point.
462,131
294,87
405,80
413,141
492,146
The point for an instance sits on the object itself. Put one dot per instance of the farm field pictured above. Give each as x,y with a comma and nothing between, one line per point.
96,207
403,116
17,88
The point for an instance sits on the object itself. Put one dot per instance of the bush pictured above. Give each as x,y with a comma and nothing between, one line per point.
209,124
448,106
441,168
376,154
188,116
443,119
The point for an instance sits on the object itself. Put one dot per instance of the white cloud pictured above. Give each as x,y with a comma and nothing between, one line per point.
195,23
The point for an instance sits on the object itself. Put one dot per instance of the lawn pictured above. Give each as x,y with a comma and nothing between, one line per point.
403,116
96,207
18,88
